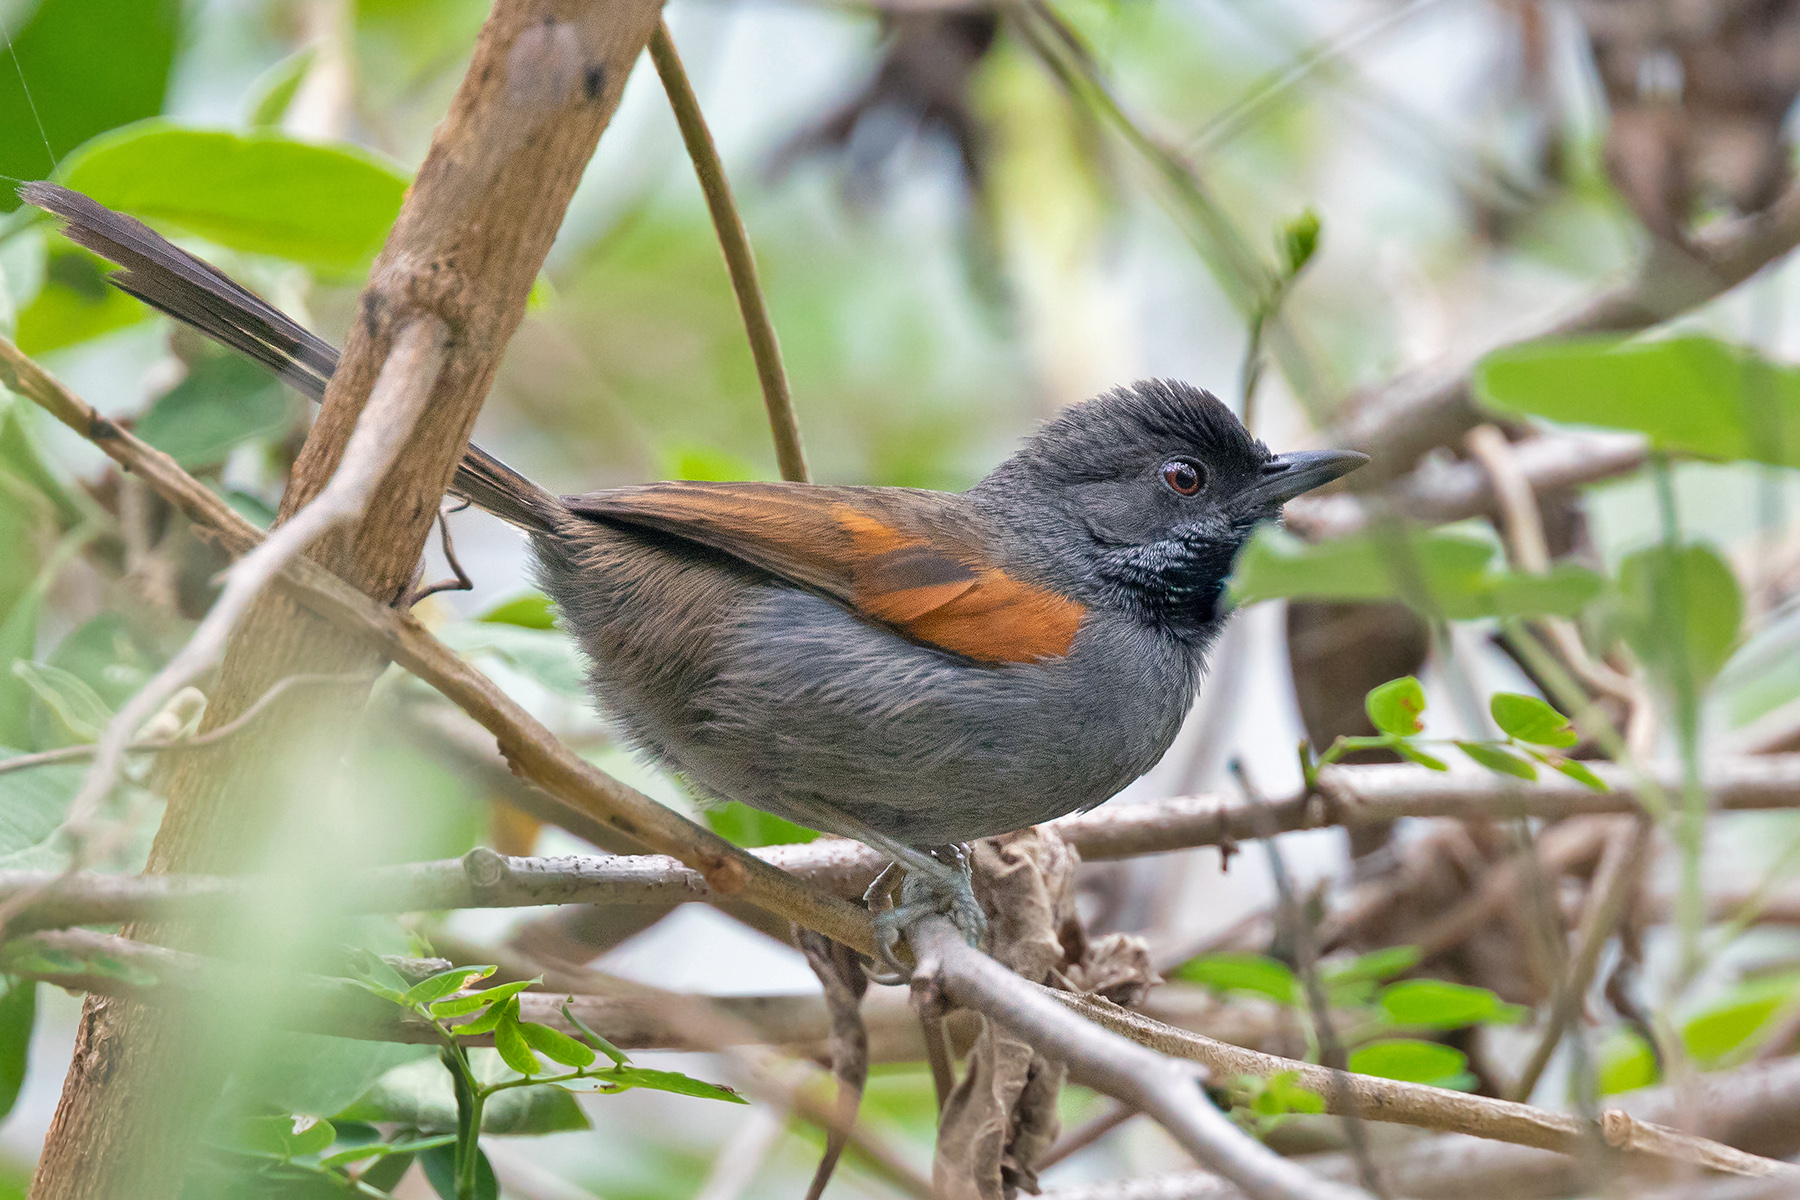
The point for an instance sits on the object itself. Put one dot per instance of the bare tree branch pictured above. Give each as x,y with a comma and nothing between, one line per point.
1169,1092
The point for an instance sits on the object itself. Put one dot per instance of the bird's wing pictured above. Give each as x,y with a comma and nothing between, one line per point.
905,558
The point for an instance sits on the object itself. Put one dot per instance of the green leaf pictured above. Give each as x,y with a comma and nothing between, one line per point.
1580,774
666,1081
595,1040
224,401
510,1042
555,1044
1438,570
1233,971
418,1095
1280,1094
1395,706
75,704
89,67
1413,754
392,995
436,987
439,1166
76,303
1627,1062
1498,760
326,207
32,806
1299,242
283,1136
1531,720
1413,1061
18,1016
533,610
493,999
1736,1017
1377,965
386,1149
273,91
748,827
1435,1004
312,1073
1685,600
1691,395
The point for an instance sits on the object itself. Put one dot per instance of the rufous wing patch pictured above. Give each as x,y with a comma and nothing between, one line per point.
912,560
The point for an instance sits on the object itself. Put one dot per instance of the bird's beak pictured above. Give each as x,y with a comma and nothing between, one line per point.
1288,475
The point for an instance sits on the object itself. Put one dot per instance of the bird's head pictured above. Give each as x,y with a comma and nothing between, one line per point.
1155,487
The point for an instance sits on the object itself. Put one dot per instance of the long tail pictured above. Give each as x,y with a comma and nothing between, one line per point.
171,280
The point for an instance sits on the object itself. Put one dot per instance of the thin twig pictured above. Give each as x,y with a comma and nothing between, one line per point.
740,259
459,581
1306,965
1076,1140
1426,1107
1615,879
1168,1091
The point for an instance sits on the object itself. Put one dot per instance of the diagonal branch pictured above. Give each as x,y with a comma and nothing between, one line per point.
1166,1090
740,258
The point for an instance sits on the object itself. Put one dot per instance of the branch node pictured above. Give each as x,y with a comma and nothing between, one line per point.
487,869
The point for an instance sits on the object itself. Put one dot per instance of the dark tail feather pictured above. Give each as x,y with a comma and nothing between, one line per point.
171,280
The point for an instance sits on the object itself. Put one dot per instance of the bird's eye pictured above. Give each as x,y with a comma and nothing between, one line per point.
1182,475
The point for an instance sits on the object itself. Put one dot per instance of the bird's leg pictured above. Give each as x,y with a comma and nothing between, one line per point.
938,882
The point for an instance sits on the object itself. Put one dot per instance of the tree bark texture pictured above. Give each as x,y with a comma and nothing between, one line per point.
473,233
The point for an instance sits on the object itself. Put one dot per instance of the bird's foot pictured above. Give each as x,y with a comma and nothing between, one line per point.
938,883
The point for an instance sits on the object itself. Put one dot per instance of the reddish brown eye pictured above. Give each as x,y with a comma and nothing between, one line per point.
1182,476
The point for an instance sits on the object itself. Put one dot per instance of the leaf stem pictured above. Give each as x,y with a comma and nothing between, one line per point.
740,260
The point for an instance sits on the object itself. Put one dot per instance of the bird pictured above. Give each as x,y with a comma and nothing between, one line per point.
914,669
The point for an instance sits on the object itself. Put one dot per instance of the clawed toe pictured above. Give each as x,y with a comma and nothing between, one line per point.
932,887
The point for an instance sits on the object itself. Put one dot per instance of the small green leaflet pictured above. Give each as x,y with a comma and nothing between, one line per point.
1395,706
1531,720
1498,760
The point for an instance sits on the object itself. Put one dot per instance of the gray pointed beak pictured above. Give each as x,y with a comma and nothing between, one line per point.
1288,475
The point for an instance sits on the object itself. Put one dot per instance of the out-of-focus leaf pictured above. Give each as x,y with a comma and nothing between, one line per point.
283,1136
667,1081
1579,772
439,1165
418,1095
532,610
1531,720
75,704
1736,1017
1394,707
1498,760
1691,395
326,207
1232,971
224,401
110,654
1413,754
706,463
1413,1061
1627,1062
363,1152
1299,242
273,91
18,1017
32,804
1439,568
75,303
314,1074
1684,600
86,68
748,827
547,656
1376,965
1436,1004
1280,1094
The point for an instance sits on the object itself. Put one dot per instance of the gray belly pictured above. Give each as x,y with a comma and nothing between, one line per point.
820,713
787,702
